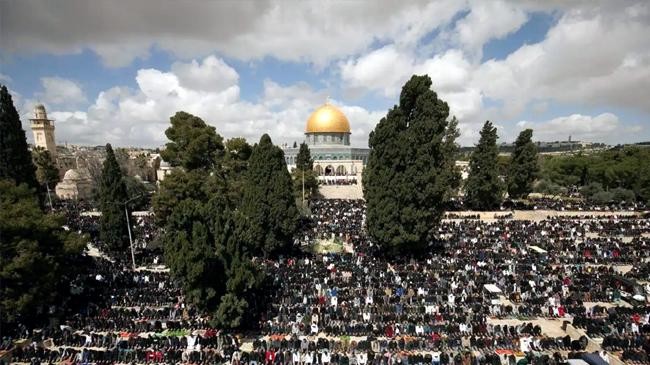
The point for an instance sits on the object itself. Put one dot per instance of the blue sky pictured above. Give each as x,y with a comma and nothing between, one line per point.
109,74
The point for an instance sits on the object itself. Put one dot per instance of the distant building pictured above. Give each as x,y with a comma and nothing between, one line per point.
43,129
163,169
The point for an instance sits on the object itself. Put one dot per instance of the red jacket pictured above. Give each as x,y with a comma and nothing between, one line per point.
270,356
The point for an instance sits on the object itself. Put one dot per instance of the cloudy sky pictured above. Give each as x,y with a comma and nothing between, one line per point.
110,73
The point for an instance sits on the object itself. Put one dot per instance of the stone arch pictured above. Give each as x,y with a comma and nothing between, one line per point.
341,171
319,170
329,170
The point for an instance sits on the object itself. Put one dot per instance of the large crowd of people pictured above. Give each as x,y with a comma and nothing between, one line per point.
479,300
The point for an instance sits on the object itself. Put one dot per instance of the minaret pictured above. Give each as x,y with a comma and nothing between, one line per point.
43,130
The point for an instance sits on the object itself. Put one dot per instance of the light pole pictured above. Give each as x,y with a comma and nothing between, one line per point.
303,189
128,226
49,198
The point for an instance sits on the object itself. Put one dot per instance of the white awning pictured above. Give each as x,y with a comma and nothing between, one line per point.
492,288
537,249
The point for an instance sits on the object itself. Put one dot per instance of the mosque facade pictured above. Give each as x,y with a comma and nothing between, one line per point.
327,134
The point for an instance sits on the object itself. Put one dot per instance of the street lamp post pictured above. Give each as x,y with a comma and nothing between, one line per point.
303,189
128,226
49,197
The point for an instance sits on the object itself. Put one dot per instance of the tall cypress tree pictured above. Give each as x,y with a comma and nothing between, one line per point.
304,176
484,188
523,167
15,159
304,161
410,169
112,196
268,206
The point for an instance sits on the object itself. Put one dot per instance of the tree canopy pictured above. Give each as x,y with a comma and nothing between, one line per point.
204,240
304,161
15,159
411,169
619,167
304,175
112,197
484,188
523,167
268,205
47,173
35,252
193,144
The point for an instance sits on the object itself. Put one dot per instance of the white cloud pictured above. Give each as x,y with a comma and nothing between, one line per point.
588,58
315,32
211,74
488,20
597,55
387,69
60,91
139,117
384,70
603,127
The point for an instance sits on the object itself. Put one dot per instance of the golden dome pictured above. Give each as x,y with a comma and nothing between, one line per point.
327,119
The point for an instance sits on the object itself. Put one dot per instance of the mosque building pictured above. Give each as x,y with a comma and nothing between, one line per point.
327,134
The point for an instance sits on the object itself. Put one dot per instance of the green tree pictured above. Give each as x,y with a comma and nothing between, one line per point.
35,256
523,166
642,186
234,167
268,206
304,161
47,173
194,144
15,159
310,183
484,188
304,173
238,148
191,253
178,186
139,192
112,196
204,232
411,169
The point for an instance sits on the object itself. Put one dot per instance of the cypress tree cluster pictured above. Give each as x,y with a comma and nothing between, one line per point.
484,188
37,256
209,236
410,171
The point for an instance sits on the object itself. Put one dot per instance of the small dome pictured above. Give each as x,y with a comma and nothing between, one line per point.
71,174
327,119
39,112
